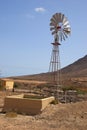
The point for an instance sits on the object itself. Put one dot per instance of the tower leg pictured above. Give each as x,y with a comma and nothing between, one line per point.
54,67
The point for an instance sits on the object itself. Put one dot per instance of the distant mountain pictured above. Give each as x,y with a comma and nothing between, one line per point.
74,74
76,69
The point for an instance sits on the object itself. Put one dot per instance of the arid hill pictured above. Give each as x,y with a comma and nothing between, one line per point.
76,69
74,74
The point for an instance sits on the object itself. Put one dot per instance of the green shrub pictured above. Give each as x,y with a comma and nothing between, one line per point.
15,85
65,88
1,87
54,102
81,91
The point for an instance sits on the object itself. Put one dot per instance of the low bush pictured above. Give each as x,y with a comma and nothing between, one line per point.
54,102
15,85
11,114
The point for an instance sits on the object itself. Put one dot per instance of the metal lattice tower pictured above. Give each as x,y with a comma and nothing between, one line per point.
55,62
60,29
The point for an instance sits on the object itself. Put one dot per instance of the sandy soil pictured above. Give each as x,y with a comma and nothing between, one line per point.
71,116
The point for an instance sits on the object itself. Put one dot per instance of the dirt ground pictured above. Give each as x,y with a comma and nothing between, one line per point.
71,116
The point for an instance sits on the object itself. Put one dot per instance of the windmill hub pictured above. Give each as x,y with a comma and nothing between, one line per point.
58,27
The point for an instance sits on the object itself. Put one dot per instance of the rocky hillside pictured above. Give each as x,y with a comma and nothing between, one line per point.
74,74
77,69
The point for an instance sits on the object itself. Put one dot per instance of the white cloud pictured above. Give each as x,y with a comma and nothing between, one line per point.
40,9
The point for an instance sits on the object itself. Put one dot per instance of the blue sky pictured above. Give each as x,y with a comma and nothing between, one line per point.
25,35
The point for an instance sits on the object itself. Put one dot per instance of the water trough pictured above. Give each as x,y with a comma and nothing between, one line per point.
26,104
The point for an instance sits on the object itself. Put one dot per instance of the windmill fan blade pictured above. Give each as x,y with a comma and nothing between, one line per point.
64,33
53,32
59,18
63,37
53,21
62,17
66,26
66,23
64,20
67,30
55,16
52,24
52,28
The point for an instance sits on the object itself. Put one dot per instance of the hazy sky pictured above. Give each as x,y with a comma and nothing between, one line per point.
25,35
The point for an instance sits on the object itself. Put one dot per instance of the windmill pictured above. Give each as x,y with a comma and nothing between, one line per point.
60,27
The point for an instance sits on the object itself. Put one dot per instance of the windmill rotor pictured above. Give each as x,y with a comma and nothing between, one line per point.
59,24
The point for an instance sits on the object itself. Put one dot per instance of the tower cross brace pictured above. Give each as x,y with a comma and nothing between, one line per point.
55,62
